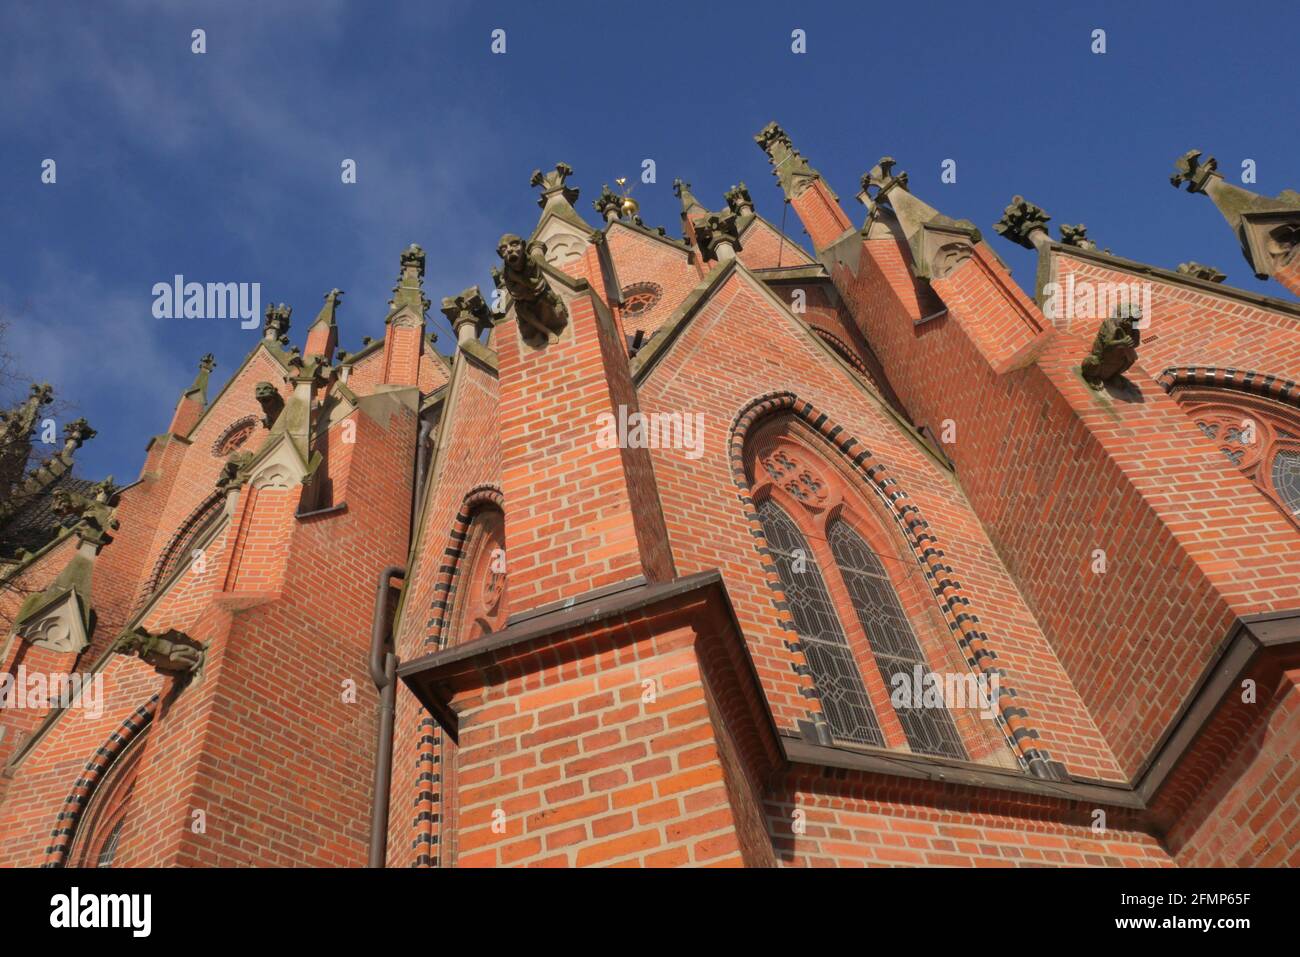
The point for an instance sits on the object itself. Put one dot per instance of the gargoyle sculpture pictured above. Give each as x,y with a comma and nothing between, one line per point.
538,307
172,652
269,398
1115,348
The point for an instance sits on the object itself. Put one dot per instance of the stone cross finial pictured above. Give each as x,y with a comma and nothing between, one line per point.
552,184
1076,236
1021,220
539,310
1194,171
1201,271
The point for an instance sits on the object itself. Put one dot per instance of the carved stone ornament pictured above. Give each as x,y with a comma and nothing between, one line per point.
171,652
58,626
538,308
1114,350
1076,236
1201,271
1020,220
93,512
272,403
276,326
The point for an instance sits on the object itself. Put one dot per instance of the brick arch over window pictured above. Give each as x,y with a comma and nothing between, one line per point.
1255,421
848,355
87,784
178,549
482,496
921,541
435,763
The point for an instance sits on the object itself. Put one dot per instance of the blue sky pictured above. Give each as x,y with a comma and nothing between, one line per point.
225,166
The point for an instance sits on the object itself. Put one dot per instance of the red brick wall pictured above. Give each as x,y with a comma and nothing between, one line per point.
849,819
575,516
707,527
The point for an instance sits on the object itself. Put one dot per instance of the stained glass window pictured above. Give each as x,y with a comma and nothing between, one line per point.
929,730
839,682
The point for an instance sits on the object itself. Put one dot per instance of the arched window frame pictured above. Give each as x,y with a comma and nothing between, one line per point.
99,830
840,501
1224,414
477,601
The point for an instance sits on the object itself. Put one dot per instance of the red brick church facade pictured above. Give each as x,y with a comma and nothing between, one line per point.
429,591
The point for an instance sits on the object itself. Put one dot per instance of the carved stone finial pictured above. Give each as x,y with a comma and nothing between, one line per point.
739,201
1020,220
171,652
771,137
609,204
272,403
718,236
1076,236
234,472
881,179
468,313
276,325
1201,271
334,297
539,310
1115,348
1191,169
75,434
552,184
413,259
93,513
788,165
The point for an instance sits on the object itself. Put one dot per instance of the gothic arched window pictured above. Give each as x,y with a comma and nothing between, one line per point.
841,566
1258,435
843,692
99,831
893,642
